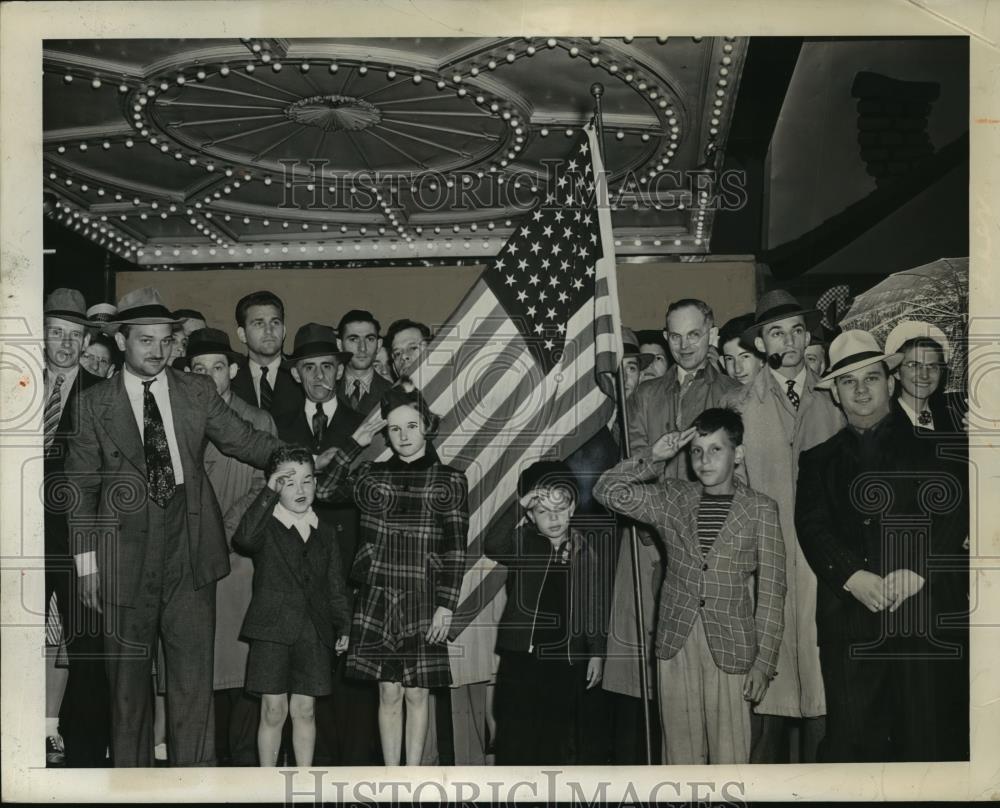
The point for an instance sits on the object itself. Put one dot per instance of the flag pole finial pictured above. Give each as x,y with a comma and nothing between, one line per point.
597,89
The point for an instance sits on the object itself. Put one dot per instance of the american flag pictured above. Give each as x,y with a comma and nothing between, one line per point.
522,370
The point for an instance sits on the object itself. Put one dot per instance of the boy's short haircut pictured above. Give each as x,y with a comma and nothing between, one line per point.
716,418
734,329
357,316
548,474
288,454
262,298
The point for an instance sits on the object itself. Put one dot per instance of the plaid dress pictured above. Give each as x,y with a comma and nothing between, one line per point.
410,560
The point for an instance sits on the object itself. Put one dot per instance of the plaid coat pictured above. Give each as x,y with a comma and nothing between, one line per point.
410,560
717,586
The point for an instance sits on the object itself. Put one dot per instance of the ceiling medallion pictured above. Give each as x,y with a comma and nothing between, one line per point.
334,113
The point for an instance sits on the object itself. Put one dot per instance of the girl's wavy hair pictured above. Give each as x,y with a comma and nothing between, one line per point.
405,393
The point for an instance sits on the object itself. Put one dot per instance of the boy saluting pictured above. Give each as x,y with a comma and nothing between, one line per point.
716,653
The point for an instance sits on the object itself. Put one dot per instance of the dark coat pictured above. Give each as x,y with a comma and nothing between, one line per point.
370,399
293,580
287,396
342,517
107,464
530,558
880,502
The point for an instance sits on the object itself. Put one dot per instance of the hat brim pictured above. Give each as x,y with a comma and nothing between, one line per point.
311,349
69,316
645,360
812,319
231,355
892,361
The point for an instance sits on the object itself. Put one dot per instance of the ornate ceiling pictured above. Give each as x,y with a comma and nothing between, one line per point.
202,152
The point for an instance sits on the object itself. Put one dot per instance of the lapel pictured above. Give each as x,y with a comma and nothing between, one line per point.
735,518
189,437
119,422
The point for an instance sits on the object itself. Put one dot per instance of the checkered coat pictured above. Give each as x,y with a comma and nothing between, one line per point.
414,525
718,586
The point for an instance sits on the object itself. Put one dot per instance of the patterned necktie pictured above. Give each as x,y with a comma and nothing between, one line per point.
53,410
682,388
159,469
925,419
266,391
792,395
356,395
319,423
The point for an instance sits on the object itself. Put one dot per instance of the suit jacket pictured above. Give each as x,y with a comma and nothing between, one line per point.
718,587
287,392
653,410
341,516
107,463
370,399
882,501
56,527
293,580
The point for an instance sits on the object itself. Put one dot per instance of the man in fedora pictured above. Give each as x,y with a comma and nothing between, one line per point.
147,534
346,729
264,378
236,484
76,699
783,415
880,518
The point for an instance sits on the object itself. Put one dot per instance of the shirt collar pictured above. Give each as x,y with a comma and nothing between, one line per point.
800,380
133,384
272,368
329,408
911,413
682,374
365,377
69,376
873,430
302,522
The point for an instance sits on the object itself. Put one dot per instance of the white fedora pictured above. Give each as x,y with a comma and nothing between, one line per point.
852,350
906,330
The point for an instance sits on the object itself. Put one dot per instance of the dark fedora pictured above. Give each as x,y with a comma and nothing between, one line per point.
66,304
209,341
314,339
778,305
630,346
144,307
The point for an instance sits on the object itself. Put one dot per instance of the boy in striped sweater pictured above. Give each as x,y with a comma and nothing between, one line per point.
716,649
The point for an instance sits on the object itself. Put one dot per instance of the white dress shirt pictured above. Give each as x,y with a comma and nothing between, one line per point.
161,393
329,408
800,382
272,374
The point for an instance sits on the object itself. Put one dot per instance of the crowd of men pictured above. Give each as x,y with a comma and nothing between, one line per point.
843,435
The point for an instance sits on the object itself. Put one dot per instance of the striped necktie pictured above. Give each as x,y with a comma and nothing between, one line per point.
266,391
53,410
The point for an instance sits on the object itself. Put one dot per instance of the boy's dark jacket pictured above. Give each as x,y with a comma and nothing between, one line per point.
292,580
529,558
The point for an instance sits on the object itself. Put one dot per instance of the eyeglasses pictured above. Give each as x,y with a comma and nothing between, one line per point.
931,367
97,360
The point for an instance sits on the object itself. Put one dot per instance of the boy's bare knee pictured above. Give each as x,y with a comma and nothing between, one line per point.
302,709
390,693
416,696
273,710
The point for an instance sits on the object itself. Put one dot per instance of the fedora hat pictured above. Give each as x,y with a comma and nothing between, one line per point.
314,339
143,307
917,329
630,344
778,305
852,350
66,304
209,341
101,313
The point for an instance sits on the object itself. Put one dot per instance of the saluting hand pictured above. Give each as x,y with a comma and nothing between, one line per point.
363,434
277,481
670,443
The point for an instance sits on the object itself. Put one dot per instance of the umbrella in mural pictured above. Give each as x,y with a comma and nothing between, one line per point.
936,293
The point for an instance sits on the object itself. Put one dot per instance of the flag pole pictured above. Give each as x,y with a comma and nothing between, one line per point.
597,91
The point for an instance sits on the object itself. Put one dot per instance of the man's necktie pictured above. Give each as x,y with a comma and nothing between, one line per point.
266,391
925,418
159,469
356,395
53,410
319,424
792,395
679,420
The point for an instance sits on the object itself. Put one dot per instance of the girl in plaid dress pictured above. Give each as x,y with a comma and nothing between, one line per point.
409,563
